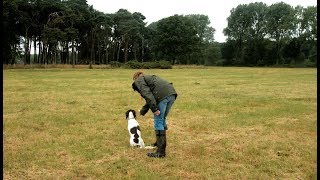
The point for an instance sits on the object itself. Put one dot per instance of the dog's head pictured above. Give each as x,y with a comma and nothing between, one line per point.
130,114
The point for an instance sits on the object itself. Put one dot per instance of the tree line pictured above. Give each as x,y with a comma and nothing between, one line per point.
72,32
271,35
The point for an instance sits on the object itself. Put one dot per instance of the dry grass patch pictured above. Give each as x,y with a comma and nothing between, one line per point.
227,123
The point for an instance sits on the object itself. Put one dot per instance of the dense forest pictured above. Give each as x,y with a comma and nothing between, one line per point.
72,32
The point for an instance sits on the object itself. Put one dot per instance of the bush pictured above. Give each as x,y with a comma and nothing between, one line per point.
303,64
115,64
161,65
148,65
133,64
220,62
309,63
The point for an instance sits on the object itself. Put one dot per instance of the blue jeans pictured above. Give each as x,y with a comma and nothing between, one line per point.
164,107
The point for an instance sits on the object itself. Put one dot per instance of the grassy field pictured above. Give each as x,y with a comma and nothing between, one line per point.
227,123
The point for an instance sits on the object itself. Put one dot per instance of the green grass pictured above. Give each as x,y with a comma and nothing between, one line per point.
227,123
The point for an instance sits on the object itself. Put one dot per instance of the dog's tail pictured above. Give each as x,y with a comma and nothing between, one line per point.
149,147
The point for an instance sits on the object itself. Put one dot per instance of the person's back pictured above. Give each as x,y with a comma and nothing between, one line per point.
159,87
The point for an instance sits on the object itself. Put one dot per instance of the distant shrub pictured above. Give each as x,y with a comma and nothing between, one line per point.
115,64
220,62
148,65
133,64
309,63
303,64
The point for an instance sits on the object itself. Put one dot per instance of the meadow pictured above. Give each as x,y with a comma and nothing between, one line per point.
227,123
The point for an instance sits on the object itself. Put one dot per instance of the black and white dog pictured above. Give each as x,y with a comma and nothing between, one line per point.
134,129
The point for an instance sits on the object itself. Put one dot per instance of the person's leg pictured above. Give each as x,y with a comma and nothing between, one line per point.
160,127
159,120
161,145
170,102
164,106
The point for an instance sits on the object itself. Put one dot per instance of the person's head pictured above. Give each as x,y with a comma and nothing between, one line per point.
137,74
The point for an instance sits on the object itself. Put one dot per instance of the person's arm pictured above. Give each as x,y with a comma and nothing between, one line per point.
144,109
146,94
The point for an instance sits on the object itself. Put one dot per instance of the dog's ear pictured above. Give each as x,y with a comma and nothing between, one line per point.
134,113
127,114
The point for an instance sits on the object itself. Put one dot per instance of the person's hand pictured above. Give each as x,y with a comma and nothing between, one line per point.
157,113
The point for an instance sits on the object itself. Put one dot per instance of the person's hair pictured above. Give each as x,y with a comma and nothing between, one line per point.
136,75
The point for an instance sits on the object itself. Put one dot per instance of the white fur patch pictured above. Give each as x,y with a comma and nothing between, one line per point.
134,132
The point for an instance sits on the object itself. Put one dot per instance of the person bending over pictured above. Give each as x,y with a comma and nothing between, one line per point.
159,95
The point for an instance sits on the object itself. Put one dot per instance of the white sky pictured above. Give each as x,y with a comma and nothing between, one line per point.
217,11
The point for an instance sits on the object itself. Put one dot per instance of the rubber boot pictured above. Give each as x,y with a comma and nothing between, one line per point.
155,144
161,145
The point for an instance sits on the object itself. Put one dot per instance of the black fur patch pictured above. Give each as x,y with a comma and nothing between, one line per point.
136,140
134,131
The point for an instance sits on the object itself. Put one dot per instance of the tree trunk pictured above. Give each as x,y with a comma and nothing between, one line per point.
118,53
142,49
114,54
278,56
44,52
92,51
29,50
72,54
126,41
77,54
54,55
135,51
106,46
40,52
126,51
35,50
67,53
26,46
99,54
13,59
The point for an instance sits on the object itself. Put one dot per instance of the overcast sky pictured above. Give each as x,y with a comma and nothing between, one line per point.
217,11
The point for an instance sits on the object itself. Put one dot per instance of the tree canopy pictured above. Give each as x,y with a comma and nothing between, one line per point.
72,32
261,35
